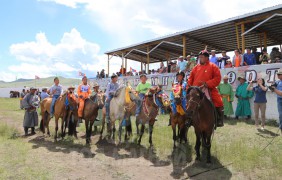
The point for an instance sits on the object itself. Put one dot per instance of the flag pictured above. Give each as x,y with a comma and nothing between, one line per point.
81,74
37,77
132,70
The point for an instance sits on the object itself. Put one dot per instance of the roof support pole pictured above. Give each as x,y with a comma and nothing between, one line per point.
108,65
260,42
122,63
265,39
141,63
237,36
148,60
125,65
167,57
280,47
243,38
184,45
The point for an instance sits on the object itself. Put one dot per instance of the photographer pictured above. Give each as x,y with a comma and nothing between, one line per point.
277,88
260,100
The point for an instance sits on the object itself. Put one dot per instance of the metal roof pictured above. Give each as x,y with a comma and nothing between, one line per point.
219,36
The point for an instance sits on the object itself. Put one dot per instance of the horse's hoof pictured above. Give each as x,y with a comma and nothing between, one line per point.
198,159
209,162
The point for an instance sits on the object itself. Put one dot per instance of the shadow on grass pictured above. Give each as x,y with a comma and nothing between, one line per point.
233,121
266,133
129,150
66,146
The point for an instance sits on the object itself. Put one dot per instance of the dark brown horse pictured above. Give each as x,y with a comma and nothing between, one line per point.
202,113
148,113
90,113
62,110
178,119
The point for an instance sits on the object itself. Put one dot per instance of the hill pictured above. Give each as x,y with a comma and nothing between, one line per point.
43,82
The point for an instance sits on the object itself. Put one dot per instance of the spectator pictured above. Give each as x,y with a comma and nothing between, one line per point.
162,68
213,57
21,98
277,88
257,55
264,57
275,54
102,73
181,64
122,70
173,67
260,101
98,75
277,60
227,94
228,64
237,58
44,94
169,66
222,60
249,58
243,95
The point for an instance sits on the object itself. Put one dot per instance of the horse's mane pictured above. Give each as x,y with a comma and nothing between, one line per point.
119,89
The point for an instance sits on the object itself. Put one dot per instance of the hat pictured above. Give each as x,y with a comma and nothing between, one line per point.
239,78
71,87
44,89
180,57
228,60
213,51
180,73
33,88
114,76
205,53
95,84
223,51
188,56
143,75
225,77
279,72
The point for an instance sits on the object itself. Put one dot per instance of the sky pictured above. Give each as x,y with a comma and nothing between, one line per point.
62,37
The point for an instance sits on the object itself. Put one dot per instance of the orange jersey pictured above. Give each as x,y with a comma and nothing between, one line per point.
208,73
83,90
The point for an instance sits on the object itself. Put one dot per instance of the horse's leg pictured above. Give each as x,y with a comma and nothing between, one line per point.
137,126
151,126
174,134
208,146
114,130
90,129
87,131
56,128
141,133
197,146
47,125
119,131
62,127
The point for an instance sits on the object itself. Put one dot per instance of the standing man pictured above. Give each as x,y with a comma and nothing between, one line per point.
249,58
21,98
227,94
142,89
110,91
257,55
30,102
277,88
222,60
55,91
213,57
182,64
243,95
207,75
83,92
44,94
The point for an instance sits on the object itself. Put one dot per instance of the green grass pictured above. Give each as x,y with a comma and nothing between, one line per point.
238,145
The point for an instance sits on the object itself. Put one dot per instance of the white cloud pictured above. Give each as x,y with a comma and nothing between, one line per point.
72,54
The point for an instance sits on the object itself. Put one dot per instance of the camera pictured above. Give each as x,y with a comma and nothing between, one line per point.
274,85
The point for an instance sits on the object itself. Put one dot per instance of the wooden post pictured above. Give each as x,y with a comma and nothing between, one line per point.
265,39
167,57
260,43
148,59
237,36
243,38
280,47
184,46
108,65
125,65
122,63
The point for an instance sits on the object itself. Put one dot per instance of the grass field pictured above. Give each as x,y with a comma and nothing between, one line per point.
238,152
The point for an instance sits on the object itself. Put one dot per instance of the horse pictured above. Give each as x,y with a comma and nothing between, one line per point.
90,113
179,118
203,115
14,94
118,104
65,107
148,114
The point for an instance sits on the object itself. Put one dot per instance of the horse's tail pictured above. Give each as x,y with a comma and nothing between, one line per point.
43,122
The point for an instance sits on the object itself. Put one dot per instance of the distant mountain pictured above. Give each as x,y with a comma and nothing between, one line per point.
22,80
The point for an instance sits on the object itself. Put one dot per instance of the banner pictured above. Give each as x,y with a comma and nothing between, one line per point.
251,73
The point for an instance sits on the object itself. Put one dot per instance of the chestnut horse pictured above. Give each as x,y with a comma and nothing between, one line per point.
65,106
203,115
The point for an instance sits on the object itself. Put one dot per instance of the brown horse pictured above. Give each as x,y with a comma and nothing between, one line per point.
178,119
202,113
62,110
90,113
148,114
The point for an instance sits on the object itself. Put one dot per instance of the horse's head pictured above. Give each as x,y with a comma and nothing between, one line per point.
194,98
73,104
177,92
100,100
151,92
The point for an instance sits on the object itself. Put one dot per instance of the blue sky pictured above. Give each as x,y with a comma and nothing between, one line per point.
62,37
